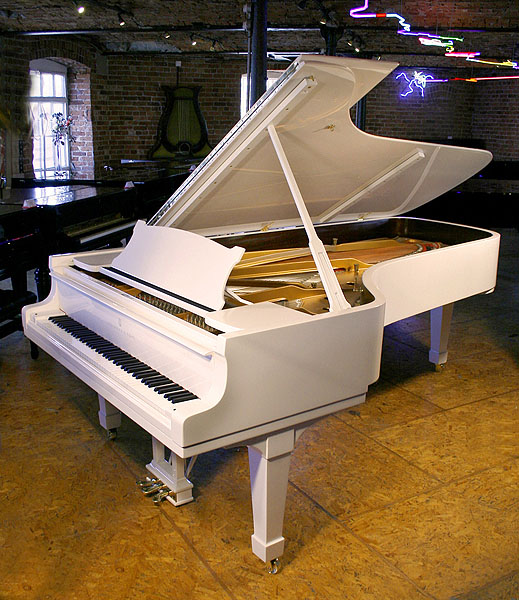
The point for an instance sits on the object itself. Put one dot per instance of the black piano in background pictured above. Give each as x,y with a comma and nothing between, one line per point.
19,243
41,218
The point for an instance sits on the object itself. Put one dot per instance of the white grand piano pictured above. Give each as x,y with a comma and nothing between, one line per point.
254,302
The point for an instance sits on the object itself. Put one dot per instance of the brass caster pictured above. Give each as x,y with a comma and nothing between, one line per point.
439,367
274,566
112,434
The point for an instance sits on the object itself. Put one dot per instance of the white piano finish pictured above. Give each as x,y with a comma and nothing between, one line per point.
294,171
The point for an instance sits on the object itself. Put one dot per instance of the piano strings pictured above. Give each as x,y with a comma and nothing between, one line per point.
289,276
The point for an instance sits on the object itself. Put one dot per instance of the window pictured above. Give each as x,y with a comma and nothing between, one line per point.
271,77
47,97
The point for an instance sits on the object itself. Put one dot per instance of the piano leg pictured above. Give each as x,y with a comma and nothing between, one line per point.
441,318
172,473
269,462
109,417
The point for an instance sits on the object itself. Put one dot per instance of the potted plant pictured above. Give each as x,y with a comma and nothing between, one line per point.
60,135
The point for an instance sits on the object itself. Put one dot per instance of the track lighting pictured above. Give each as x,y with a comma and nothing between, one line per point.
193,40
122,21
166,35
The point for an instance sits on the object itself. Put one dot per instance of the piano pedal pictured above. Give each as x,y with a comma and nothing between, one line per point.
161,496
154,488
147,481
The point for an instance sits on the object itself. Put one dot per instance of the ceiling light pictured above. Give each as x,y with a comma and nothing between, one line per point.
193,41
80,8
166,35
122,22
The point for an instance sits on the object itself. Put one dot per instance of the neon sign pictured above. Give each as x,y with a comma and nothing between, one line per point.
424,37
417,83
428,39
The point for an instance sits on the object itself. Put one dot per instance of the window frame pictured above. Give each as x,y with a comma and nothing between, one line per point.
49,161
272,76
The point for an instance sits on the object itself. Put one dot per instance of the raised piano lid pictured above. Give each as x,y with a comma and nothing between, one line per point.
342,172
296,157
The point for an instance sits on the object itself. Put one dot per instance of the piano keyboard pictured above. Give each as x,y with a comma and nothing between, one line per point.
143,373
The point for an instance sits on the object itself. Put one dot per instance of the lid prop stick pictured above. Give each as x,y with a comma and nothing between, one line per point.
330,283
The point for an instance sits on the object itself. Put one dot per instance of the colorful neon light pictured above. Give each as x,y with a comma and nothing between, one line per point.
466,55
471,56
436,42
405,27
505,63
429,39
418,82
476,79
356,14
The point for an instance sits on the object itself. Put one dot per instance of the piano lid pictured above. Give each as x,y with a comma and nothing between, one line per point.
342,172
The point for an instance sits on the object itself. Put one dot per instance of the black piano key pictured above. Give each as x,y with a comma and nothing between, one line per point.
140,373
178,396
163,389
116,354
158,380
133,368
150,377
121,362
145,374
131,362
98,344
178,399
91,337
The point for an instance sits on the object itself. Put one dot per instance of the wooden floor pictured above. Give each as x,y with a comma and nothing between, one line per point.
413,495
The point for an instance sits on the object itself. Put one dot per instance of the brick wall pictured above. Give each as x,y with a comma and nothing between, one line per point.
129,101
80,109
444,111
121,113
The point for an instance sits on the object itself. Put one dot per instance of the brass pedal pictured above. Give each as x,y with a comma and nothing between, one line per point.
146,482
151,486
161,496
153,489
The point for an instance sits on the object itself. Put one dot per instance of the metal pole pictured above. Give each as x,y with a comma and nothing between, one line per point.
259,50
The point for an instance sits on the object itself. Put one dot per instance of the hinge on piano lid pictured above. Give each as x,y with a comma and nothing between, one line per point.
267,226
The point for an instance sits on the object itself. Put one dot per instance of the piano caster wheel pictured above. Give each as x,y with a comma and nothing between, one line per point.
274,566
439,367
112,434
